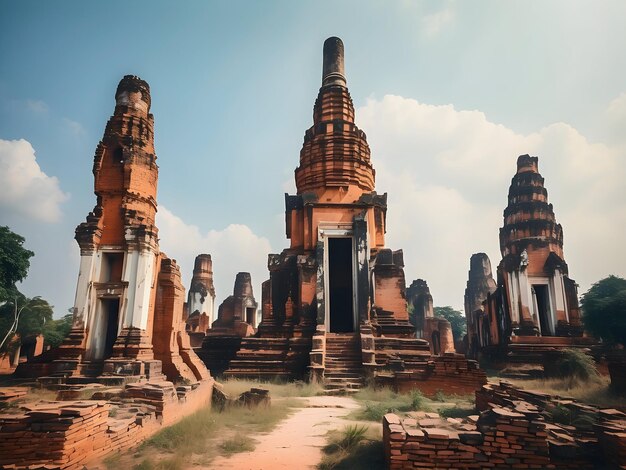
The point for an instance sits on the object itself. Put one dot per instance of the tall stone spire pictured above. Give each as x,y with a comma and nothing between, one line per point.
529,219
125,174
335,153
333,69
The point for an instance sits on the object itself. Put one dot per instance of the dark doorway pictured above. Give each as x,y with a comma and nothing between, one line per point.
436,343
340,285
250,314
111,311
543,309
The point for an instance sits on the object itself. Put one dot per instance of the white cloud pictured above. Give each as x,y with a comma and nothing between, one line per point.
24,189
234,249
434,23
37,106
617,106
615,117
73,127
447,172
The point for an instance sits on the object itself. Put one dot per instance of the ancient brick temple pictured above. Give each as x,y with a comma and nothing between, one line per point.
534,307
335,305
237,313
436,330
200,306
128,311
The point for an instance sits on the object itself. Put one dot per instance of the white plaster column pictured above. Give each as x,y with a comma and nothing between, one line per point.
87,273
130,276
559,293
514,295
138,311
525,294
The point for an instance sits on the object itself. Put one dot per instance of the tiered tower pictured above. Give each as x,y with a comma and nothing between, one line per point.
118,242
201,297
542,298
335,303
529,220
128,310
534,309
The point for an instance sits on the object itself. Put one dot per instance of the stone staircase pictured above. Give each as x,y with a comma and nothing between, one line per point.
343,364
261,358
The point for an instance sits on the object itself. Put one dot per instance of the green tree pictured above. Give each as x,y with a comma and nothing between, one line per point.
14,262
55,331
23,316
456,319
604,310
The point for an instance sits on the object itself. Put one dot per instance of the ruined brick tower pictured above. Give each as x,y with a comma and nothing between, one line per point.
118,242
335,304
128,313
535,304
200,306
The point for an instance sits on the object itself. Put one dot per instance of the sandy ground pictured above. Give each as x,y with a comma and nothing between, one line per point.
296,443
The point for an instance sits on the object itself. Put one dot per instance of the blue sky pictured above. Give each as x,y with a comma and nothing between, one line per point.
449,93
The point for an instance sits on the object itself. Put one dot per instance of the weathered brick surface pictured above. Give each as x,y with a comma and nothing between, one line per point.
71,434
513,430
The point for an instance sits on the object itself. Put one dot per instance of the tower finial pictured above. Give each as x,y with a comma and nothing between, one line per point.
333,71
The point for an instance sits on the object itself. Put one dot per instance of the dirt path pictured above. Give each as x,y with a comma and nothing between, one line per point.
295,443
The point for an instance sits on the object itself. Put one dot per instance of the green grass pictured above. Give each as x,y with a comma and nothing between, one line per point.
576,365
356,447
235,387
379,401
456,412
237,443
208,433
595,391
563,415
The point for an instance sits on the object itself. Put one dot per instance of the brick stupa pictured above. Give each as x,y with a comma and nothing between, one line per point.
128,311
534,309
334,307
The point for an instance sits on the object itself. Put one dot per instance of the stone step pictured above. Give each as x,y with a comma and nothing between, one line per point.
335,380
355,363
356,374
344,384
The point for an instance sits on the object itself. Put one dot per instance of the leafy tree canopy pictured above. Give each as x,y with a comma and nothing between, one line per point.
55,331
456,319
604,309
32,316
14,262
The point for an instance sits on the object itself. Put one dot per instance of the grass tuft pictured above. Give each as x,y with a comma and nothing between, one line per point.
456,412
379,401
234,387
237,443
354,448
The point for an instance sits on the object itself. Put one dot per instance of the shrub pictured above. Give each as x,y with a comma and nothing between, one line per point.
574,363
418,401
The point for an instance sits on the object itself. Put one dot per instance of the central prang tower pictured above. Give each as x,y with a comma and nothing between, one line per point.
335,303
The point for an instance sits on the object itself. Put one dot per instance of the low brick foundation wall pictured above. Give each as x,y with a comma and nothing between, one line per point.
510,432
449,373
68,435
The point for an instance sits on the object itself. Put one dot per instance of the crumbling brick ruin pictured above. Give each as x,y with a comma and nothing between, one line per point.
73,434
514,429
20,349
200,306
534,309
128,312
335,306
480,284
436,330
236,319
